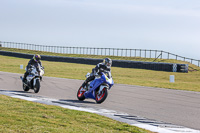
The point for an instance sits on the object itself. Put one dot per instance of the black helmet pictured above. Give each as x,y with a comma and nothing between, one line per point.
107,62
36,57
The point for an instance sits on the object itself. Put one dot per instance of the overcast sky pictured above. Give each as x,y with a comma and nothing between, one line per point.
169,25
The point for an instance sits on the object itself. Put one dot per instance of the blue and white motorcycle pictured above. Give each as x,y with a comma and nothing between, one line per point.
96,89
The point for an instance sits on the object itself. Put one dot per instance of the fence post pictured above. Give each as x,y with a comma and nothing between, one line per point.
130,53
176,57
140,53
168,55
135,52
150,53
161,54
145,53
155,53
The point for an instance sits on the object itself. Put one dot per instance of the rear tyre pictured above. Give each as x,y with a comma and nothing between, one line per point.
80,94
102,96
25,88
37,86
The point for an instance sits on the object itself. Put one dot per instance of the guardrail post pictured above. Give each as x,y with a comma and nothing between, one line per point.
168,55
150,53
155,53
117,52
135,52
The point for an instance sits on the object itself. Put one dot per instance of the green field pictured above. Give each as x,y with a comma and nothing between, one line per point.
20,116
183,81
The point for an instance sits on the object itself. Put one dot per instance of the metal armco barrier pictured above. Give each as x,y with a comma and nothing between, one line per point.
169,67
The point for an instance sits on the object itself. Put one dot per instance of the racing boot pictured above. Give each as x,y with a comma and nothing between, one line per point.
24,78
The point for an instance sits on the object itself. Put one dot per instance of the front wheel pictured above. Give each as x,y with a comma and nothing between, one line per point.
37,86
80,94
100,97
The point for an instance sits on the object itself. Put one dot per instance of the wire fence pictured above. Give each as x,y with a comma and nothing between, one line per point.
141,53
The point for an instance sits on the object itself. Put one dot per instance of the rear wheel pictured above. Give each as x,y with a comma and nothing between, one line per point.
80,94
25,88
100,97
37,86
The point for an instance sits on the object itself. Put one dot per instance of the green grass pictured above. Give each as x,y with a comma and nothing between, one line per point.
28,117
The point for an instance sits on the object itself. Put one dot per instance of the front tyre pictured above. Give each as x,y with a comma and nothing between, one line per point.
100,97
37,86
80,94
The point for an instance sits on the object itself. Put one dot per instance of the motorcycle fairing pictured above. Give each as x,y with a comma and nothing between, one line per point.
93,86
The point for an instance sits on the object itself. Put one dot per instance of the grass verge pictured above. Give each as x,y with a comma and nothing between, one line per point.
29,117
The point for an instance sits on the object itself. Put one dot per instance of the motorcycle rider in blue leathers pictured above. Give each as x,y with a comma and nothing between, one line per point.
104,66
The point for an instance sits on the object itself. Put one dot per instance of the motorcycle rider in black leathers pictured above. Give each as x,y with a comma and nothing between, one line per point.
104,66
33,62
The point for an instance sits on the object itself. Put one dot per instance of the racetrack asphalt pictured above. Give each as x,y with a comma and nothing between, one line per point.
173,106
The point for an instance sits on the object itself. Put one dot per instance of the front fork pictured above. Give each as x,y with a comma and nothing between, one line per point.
101,88
34,81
